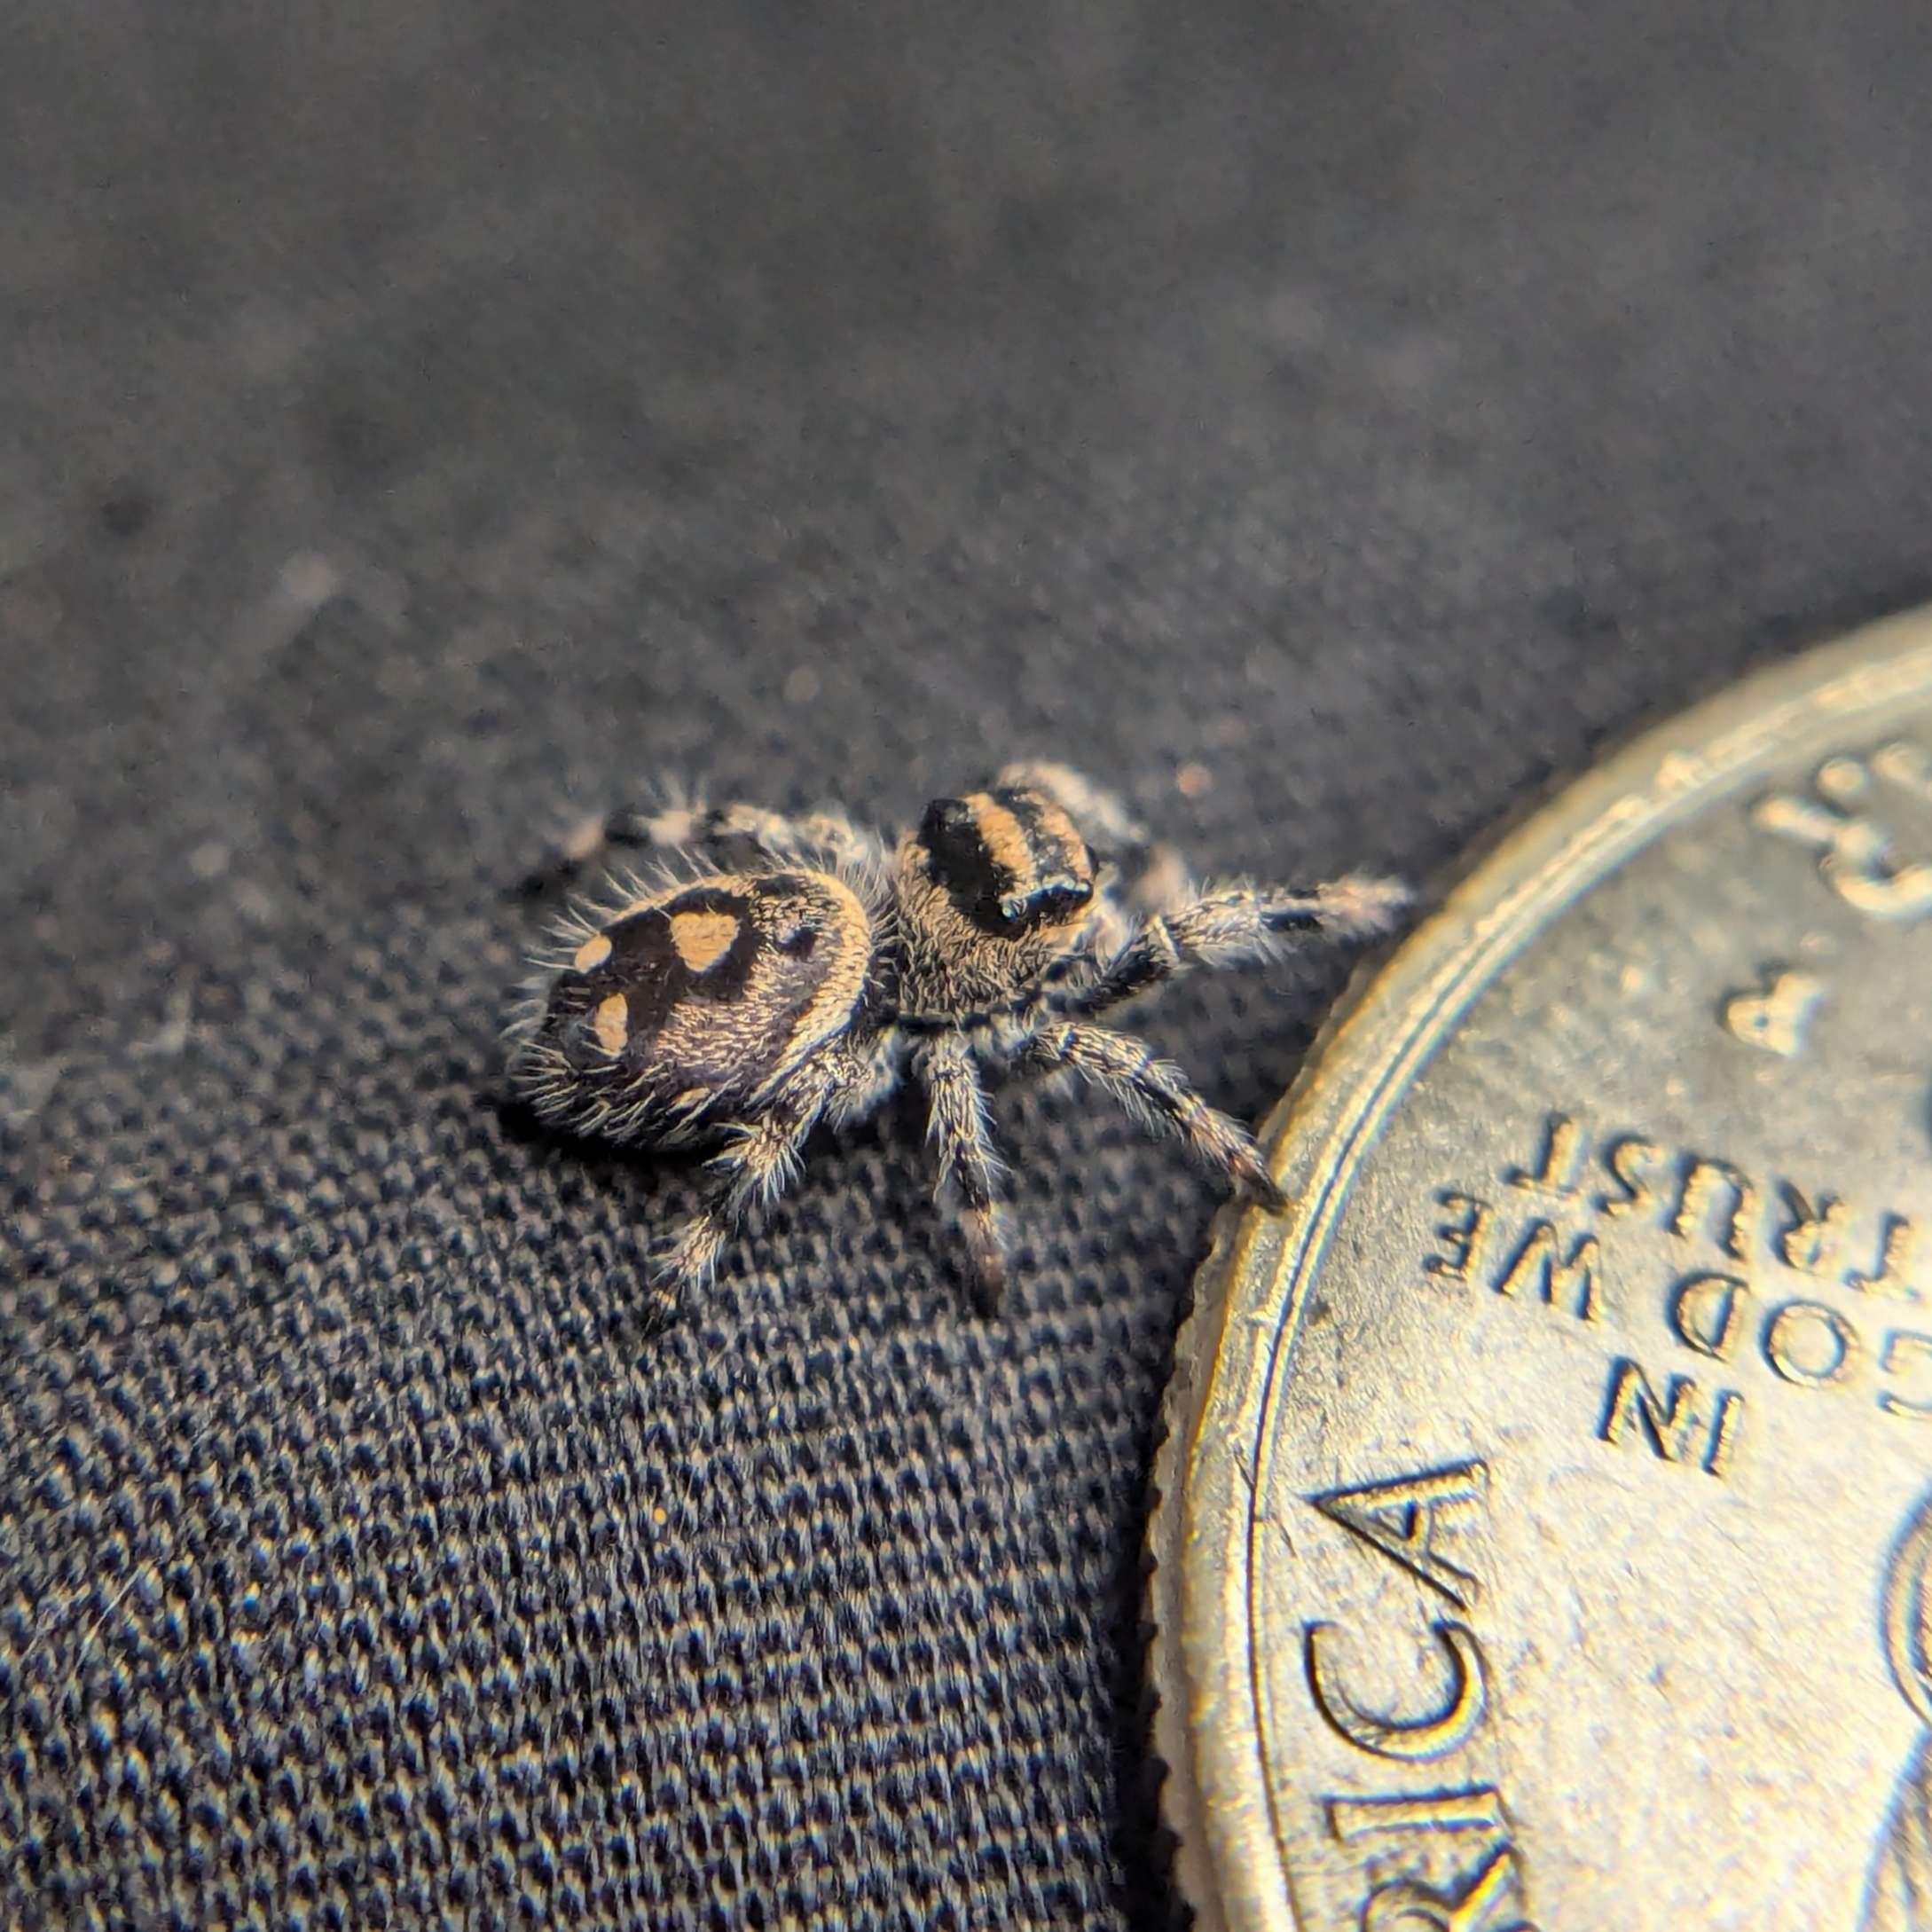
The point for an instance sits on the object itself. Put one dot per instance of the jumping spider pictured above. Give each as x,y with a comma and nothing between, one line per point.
794,971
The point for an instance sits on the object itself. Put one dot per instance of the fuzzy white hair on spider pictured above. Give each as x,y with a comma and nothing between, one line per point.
785,972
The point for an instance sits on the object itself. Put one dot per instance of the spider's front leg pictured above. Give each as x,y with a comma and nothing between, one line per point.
1159,1093
1230,926
961,1129
718,830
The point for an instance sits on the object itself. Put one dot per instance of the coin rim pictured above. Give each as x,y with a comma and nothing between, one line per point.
1208,1470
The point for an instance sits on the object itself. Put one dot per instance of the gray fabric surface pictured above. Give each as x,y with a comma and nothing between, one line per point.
415,415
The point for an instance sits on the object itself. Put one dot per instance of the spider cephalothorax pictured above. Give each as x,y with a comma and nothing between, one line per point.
800,969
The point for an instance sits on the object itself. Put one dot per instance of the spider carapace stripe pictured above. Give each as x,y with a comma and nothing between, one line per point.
1010,859
1051,845
1027,840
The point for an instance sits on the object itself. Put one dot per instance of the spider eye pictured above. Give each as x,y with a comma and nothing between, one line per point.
1049,905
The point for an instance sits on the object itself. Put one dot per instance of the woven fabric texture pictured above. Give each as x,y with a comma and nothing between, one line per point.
419,415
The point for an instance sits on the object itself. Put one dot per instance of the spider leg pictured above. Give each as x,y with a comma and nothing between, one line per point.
960,1128
720,830
1229,926
757,1166
873,1076
1157,1093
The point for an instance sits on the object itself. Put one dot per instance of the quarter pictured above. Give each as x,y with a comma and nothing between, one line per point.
1544,1531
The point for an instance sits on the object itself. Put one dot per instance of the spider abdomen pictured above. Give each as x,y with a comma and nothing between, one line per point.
676,1012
